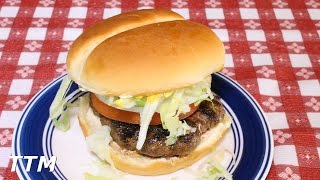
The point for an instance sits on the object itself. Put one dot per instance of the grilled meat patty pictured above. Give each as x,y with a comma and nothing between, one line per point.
126,135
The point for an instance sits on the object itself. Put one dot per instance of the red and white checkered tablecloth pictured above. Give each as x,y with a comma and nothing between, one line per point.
273,50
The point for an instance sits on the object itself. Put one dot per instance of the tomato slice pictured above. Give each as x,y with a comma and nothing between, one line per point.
127,116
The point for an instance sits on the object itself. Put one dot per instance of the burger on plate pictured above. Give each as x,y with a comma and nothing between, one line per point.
149,109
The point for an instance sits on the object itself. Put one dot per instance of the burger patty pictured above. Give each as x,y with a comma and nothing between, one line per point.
126,135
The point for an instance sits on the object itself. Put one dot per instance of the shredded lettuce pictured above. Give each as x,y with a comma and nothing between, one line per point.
170,106
98,143
63,123
88,176
73,104
58,105
146,116
125,103
179,103
192,94
100,170
140,101
214,170
86,111
211,169
169,114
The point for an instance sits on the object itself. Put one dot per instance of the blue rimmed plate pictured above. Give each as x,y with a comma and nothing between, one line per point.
249,139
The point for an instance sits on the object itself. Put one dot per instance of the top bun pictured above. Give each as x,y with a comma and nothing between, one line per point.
142,53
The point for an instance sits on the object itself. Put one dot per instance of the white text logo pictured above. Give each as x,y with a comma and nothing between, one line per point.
42,162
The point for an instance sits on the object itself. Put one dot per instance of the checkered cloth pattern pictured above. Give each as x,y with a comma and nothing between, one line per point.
272,50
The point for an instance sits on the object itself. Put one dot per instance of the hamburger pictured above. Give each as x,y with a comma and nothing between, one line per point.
149,109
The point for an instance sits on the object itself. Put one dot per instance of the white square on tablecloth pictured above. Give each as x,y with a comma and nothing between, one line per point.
6,11
62,57
214,13
249,13
9,119
291,35
314,119
228,60
70,34
36,34
20,87
285,154
268,87
283,13
29,58
184,12
318,32
318,148
43,12
277,120
222,34
255,35
4,33
78,12
5,153
314,14
261,59
300,60
309,87
109,12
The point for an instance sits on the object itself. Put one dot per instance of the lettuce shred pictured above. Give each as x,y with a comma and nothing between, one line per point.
86,111
61,121
98,143
88,176
146,116
214,171
102,171
211,169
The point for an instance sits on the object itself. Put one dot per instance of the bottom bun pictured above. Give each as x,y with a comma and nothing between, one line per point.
134,163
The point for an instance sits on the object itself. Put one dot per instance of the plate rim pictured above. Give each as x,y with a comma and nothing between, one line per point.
267,124
263,171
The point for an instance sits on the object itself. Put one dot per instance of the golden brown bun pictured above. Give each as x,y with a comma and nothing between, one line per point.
96,34
154,58
133,163
147,58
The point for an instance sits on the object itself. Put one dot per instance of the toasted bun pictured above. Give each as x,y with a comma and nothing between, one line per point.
133,163
152,57
92,37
